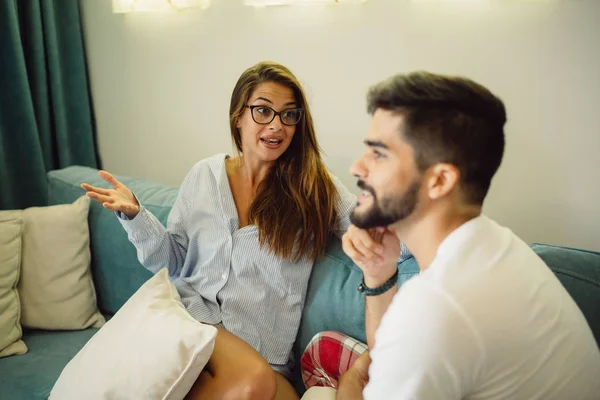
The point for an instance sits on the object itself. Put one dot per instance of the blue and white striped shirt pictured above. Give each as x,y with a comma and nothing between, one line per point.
221,272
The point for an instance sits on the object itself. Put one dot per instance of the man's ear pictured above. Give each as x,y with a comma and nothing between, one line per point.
442,180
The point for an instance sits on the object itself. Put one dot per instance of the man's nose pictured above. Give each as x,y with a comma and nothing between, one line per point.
358,168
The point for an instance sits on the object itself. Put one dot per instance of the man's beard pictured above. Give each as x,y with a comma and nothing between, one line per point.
391,209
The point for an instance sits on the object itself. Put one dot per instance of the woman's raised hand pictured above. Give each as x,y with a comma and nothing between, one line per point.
119,198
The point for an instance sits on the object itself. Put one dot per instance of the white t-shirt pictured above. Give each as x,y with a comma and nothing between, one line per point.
487,320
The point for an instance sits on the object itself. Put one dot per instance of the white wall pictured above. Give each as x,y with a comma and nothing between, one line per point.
161,85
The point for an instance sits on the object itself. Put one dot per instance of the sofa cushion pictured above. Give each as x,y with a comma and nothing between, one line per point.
11,227
333,301
116,270
31,376
334,304
579,272
56,287
152,341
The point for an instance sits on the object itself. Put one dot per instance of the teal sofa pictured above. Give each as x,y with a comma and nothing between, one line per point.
332,303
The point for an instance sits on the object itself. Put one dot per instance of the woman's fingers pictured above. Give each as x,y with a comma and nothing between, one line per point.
100,198
129,209
110,179
90,188
112,206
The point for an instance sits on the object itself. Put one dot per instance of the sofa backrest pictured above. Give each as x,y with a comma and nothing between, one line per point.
116,270
579,272
332,302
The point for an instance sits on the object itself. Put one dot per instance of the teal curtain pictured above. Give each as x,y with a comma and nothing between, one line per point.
46,116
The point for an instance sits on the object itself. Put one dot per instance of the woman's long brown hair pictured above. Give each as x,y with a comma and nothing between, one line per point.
294,207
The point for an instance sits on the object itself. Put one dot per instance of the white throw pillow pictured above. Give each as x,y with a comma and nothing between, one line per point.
11,225
151,349
56,287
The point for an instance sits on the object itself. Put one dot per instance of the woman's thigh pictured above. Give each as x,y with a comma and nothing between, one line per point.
285,390
232,353
234,371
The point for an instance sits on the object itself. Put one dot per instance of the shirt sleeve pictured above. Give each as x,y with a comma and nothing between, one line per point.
425,348
159,247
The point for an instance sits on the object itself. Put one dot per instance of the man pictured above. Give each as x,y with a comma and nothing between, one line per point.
485,318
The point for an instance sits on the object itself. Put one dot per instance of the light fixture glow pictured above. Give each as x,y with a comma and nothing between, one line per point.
264,3
126,6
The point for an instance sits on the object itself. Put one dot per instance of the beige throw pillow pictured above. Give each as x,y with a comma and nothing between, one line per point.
56,287
11,225
150,349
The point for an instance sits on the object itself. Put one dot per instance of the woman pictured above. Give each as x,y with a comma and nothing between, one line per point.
243,234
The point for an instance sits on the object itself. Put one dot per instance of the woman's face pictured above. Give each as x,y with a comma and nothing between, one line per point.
266,137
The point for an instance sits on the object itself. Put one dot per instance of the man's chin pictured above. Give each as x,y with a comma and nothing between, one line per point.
361,219
368,219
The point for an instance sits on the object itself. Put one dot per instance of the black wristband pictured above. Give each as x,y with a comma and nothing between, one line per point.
379,289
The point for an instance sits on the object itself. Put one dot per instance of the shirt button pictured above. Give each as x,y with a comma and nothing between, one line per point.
224,277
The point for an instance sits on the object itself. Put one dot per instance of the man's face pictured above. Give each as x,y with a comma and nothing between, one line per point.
387,175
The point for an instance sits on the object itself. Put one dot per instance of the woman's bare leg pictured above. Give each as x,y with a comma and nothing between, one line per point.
285,390
235,371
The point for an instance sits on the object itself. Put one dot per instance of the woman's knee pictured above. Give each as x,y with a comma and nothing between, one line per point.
258,383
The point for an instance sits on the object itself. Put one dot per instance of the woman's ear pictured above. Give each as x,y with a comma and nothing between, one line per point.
442,181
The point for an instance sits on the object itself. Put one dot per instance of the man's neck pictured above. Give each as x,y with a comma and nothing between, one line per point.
424,237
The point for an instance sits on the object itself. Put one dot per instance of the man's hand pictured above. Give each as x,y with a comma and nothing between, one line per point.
375,251
353,382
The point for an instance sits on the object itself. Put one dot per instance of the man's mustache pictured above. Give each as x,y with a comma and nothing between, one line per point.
361,184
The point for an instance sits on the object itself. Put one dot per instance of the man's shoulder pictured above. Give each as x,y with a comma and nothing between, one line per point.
425,295
424,312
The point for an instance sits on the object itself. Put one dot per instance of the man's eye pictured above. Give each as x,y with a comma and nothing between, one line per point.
378,154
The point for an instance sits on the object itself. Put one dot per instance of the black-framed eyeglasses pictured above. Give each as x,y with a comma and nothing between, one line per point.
264,115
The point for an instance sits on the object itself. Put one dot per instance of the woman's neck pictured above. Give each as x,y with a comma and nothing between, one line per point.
252,172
